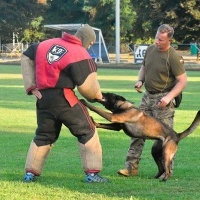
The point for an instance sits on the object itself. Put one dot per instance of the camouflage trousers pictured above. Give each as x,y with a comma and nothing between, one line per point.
166,115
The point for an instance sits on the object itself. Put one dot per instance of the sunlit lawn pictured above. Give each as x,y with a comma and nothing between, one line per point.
63,178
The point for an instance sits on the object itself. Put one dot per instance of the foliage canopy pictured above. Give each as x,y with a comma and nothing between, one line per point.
138,19
16,16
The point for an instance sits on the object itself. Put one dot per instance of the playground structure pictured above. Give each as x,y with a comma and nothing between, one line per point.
10,50
98,51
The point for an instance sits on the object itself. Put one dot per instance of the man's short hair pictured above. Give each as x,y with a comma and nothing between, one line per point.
165,28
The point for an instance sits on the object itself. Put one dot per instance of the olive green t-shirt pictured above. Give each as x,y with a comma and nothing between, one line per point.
161,69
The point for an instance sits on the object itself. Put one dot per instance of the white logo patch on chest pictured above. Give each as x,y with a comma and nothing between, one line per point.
55,53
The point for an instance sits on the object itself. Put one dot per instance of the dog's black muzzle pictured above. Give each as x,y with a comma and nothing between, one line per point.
110,99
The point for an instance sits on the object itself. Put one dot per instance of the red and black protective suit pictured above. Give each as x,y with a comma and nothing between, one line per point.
61,64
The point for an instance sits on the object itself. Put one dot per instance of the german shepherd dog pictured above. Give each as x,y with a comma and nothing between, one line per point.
135,123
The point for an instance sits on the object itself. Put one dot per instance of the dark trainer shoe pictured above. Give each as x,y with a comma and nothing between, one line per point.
29,177
95,178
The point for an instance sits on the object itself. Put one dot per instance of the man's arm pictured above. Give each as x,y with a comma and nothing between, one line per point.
141,79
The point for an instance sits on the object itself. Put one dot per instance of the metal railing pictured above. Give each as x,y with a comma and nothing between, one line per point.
10,50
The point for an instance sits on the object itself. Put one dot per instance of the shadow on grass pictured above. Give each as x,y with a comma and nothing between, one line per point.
63,167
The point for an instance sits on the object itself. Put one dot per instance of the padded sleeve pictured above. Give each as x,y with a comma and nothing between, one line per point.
28,73
84,75
90,89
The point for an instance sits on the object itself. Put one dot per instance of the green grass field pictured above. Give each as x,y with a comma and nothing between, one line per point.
62,178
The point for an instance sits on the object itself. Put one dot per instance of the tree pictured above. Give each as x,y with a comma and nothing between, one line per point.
97,13
139,20
189,24
35,32
15,16
102,15
65,12
184,16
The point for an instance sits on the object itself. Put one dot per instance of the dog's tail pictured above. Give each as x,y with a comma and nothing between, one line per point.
191,128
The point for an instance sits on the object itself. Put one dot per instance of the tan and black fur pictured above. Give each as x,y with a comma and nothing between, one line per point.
136,123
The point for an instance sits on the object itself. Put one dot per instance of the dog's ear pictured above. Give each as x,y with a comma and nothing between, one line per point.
121,98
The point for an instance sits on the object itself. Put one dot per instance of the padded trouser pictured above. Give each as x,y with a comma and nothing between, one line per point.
36,158
134,153
91,154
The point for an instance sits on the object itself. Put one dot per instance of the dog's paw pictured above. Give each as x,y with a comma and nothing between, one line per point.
163,180
160,175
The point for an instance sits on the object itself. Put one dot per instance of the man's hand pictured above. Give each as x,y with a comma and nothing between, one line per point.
163,102
138,86
36,93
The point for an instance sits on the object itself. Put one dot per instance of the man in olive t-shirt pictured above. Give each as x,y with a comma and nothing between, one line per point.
163,75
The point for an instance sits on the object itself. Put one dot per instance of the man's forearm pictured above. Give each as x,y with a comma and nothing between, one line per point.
141,75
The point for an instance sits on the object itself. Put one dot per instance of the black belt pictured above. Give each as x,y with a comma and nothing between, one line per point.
156,92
